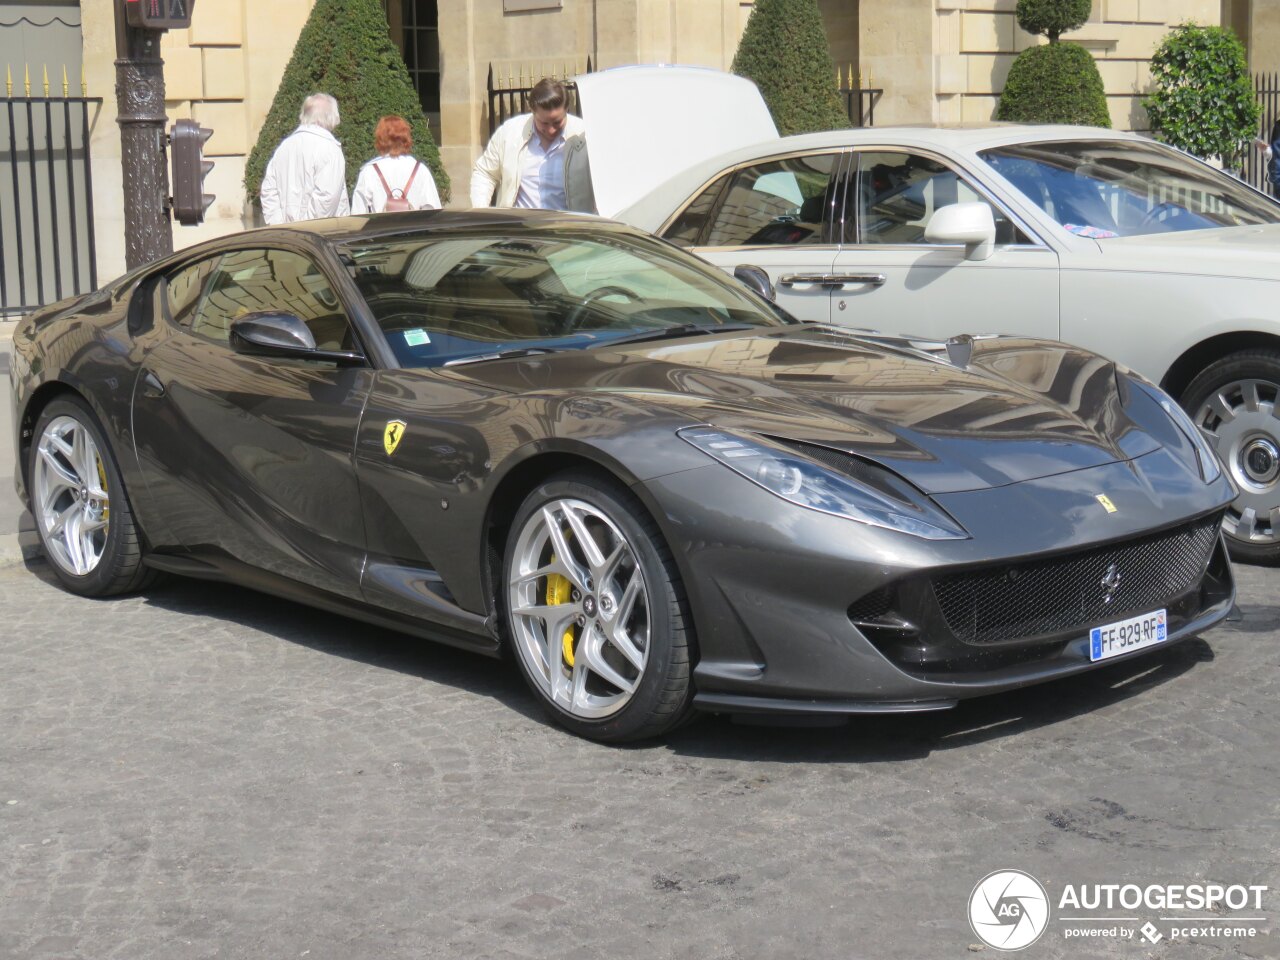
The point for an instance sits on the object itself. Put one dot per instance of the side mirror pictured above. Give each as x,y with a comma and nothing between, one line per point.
271,334
970,224
757,278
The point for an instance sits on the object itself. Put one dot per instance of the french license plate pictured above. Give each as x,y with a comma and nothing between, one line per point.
1127,635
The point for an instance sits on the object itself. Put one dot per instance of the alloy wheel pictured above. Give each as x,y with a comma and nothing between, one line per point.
71,501
1239,419
580,609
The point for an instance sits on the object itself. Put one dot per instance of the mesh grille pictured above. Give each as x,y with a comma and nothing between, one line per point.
871,607
1050,596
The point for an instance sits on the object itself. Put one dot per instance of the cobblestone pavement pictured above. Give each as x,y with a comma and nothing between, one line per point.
207,772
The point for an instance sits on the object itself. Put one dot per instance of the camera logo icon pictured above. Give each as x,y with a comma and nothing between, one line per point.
1008,910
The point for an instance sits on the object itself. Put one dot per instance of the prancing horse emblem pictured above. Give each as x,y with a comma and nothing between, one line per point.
392,436
1111,583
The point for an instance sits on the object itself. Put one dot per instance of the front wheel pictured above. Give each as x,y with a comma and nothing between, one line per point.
78,498
1235,402
595,610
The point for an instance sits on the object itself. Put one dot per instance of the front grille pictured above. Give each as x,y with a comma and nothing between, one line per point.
1020,601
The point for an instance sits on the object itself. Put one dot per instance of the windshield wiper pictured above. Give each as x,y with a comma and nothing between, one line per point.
679,330
501,355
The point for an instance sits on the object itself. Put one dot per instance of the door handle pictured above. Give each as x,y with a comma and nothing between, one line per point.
873,279
792,279
831,280
152,388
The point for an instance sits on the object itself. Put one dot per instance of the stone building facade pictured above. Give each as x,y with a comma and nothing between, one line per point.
938,61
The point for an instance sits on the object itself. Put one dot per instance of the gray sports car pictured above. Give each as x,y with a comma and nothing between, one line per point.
559,437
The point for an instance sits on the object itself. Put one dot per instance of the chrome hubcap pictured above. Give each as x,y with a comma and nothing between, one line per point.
70,496
1242,423
580,610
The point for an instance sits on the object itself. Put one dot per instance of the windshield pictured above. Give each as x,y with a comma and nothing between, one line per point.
442,299
1117,188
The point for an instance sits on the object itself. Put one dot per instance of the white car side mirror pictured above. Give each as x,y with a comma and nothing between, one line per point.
968,223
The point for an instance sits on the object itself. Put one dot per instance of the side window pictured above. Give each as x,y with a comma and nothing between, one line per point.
897,193
253,281
688,227
182,291
781,202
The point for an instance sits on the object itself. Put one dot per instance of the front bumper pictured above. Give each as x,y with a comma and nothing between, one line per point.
779,598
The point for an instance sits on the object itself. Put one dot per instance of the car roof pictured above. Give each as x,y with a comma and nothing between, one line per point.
962,137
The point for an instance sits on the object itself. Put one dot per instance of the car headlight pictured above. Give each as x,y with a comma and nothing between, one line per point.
1210,466
807,484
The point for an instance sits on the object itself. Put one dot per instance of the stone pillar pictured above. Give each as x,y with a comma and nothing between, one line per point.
896,47
1264,36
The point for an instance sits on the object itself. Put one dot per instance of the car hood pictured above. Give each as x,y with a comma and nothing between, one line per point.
1247,252
1021,409
696,114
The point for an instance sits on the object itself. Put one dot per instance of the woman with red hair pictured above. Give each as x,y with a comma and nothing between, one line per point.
396,179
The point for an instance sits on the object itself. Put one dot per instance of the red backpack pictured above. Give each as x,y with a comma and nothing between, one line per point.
397,200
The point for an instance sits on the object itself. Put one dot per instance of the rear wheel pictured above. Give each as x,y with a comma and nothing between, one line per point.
595,610
78,498
1235,402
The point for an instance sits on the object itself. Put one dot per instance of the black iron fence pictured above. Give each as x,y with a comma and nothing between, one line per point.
509,93
859,98
46,200
1267,88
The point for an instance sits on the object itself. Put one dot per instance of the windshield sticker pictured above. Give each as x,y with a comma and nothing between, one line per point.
416,337
1095,233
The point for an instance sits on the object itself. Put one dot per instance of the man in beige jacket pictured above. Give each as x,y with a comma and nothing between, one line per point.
537,159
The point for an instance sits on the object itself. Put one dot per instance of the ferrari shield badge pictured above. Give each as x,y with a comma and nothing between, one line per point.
392,435
1107,505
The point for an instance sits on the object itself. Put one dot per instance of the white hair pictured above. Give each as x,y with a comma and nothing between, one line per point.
321,110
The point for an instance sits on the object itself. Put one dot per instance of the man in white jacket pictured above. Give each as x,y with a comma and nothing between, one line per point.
307,176
537,159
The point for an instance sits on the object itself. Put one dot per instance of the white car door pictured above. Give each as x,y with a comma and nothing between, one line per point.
887,277
774,214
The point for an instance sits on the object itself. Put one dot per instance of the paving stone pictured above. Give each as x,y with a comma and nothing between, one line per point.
204,771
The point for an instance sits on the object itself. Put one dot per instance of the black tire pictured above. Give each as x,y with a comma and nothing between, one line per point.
663,695
119,568
1259,365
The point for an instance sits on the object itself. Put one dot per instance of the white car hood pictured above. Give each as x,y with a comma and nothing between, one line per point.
647,124
1252,252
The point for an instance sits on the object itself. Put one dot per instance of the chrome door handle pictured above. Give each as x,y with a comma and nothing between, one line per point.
831,280
874,279
791,279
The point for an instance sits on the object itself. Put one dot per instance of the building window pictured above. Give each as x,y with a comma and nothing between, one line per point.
415,28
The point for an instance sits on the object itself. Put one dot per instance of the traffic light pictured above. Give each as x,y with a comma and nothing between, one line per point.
186,141
159,14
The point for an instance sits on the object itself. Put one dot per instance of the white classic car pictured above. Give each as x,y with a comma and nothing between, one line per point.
1098,238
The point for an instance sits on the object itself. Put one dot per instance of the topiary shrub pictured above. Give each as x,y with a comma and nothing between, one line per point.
1202,99
784,51
345,50
1058,83
1053,18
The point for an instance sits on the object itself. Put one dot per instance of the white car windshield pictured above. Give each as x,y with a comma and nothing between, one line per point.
1118,188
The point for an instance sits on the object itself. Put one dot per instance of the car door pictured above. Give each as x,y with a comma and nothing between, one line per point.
888,277
774,214
251,458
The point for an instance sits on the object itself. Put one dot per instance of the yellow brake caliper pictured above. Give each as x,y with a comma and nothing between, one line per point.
102,479
560,590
